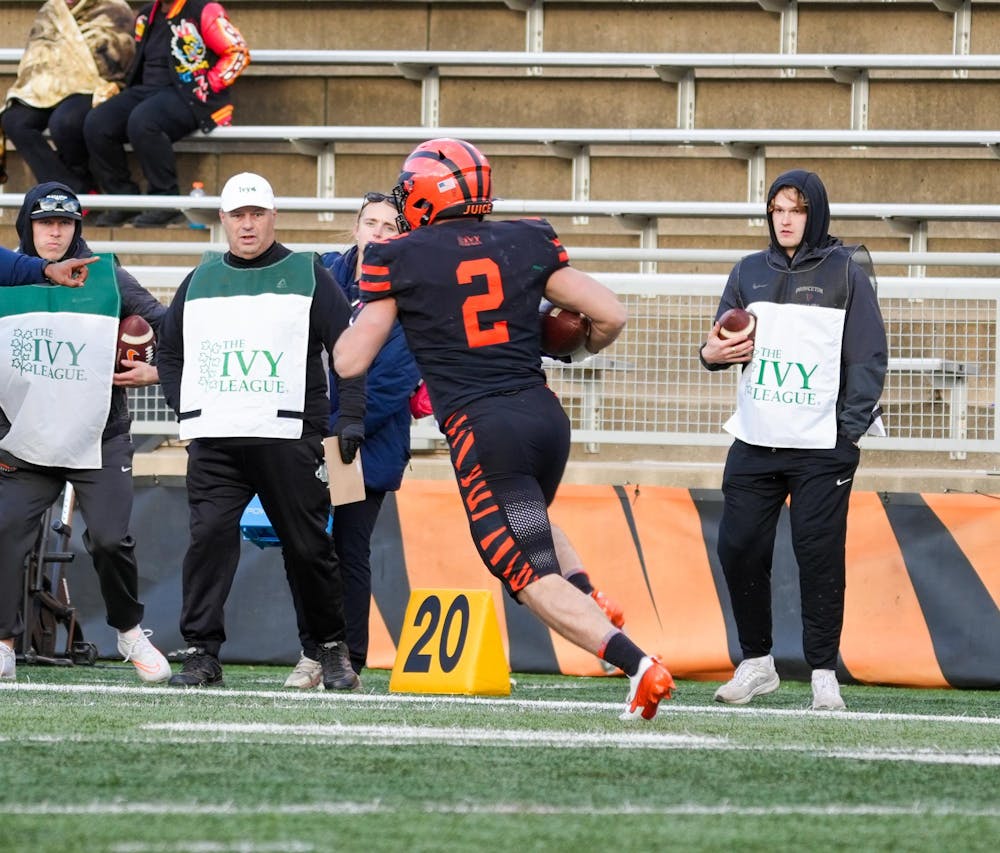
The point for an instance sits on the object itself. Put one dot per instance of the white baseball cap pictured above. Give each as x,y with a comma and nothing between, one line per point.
246,190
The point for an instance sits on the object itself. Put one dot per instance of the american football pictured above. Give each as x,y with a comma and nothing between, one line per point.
737,322
136,341
563,331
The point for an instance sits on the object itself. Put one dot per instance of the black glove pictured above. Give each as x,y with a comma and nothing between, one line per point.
350,434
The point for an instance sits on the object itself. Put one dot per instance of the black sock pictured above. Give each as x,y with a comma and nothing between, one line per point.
623,653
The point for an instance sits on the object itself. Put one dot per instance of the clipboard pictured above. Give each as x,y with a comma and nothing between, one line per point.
346,481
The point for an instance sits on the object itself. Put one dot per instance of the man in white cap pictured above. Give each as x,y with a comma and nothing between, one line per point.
241,360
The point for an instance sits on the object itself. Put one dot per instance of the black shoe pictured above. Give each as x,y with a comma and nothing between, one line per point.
200,670
336,663
157,218
114,218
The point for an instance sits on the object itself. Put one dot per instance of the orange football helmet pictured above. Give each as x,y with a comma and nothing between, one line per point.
442,179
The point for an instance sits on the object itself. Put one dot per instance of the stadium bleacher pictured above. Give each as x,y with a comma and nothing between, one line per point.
646,131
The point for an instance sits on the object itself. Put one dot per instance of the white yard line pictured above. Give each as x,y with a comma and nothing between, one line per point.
454,735
402,735
391,734
343,808
402,699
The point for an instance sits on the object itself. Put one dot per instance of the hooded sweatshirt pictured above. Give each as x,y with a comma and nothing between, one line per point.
135,299
822,274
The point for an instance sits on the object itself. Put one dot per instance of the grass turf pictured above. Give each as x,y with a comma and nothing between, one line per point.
91,760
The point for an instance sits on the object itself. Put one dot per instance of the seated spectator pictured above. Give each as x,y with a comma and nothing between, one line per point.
77,54
188,54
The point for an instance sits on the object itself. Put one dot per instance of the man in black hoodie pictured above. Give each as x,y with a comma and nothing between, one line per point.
811,382
33,465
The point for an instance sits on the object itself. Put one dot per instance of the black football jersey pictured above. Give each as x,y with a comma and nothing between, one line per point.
467,293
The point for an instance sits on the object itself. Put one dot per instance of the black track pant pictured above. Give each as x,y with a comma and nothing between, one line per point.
67,163
151,118
104,498
221,480
755,484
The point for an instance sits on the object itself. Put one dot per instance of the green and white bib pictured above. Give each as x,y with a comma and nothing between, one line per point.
57,348
788,392
246,334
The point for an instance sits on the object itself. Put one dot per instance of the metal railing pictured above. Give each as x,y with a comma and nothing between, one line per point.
640,216
650,389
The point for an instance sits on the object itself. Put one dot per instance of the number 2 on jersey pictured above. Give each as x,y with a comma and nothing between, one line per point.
476,335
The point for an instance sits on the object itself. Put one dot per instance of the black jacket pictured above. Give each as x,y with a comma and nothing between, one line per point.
206,54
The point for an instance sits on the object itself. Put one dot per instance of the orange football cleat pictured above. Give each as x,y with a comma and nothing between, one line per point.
612,609
651,684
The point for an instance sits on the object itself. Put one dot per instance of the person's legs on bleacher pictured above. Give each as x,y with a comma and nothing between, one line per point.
105,130
153,128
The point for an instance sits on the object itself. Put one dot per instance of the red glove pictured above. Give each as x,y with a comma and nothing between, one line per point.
420,402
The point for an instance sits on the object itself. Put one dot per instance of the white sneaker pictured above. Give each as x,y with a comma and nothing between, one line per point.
8,663
308,673
826,691
148,661
753,677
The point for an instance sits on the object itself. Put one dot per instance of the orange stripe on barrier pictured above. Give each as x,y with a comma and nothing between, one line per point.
600,536
672,610
883,624
439,549
693,638
974,524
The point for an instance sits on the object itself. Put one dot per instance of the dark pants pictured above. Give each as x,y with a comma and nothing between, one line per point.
104,497
221,480
151,118
755,484
353,525
509,452
68,163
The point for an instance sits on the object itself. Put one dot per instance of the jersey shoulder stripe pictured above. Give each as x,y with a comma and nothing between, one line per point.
374,279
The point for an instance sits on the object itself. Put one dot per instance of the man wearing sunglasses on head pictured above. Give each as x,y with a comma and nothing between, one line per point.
64,418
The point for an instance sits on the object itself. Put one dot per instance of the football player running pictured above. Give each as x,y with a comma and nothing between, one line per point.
466,292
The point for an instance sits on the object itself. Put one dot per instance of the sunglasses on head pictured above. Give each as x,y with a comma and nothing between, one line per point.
57,204
375,198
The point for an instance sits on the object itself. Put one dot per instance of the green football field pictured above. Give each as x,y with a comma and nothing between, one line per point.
94,761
